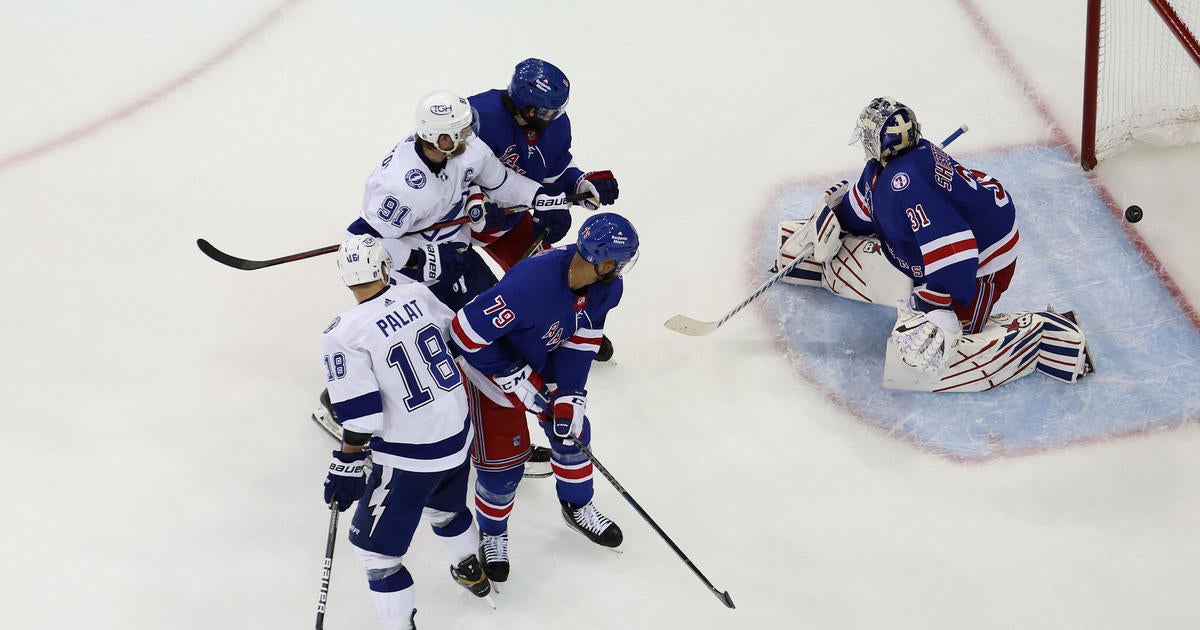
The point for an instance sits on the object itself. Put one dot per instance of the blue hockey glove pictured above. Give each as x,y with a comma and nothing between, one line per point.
439,263
523,387
569,407
553,223
345,482
602,185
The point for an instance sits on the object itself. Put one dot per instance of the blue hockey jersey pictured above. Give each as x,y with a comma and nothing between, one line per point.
941,223
532,316
543,156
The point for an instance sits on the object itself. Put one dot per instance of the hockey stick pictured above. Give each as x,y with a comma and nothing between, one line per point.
327,570
696,328
721,595
244,264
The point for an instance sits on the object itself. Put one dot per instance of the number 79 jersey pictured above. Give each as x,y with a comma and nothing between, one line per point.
391,375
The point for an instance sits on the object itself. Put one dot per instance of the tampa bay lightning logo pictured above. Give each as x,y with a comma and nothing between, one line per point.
333,324
468,176
900,181
415,178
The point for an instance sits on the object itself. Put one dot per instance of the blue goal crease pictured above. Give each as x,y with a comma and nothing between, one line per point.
1073,255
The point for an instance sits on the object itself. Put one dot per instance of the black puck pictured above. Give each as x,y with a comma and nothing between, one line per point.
1133,214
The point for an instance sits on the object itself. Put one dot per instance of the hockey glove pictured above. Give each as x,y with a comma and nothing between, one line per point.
484,214
345,482
834,195
551,224
439,263
924,340
543,200
602,186
569,410
822,231
524,387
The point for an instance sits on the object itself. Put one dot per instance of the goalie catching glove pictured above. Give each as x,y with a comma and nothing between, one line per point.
569,410
523,387
925,339
823,231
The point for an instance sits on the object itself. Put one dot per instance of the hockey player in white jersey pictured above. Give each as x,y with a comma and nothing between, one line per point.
427,179
924,232
395,386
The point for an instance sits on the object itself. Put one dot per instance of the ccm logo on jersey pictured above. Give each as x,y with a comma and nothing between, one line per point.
900,181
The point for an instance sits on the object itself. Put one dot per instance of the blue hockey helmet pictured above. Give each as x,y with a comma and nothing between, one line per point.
608,236
540,85
886,128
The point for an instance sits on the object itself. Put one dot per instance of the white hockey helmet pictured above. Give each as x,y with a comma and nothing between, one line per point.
362,258
444,112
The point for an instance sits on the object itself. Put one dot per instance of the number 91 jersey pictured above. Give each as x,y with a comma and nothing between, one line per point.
391,375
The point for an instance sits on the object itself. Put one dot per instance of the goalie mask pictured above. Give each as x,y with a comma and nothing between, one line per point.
444,113
362,258
886,128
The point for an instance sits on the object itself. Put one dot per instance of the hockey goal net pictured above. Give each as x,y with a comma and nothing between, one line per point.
1142,75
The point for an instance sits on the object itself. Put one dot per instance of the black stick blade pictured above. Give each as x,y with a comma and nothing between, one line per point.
725,598
249,265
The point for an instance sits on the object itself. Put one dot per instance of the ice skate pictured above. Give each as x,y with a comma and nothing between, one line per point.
471,576
538,464
606,350
493,553
587,520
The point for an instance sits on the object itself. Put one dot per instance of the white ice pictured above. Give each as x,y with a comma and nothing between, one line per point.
156,434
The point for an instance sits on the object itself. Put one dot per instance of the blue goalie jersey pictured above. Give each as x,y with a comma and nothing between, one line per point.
941,223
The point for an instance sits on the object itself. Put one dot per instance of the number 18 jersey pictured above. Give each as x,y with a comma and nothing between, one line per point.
390,374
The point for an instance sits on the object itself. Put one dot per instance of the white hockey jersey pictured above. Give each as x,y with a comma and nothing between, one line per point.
404,195
390,374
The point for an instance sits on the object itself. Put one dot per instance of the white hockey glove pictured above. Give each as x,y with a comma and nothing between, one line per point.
925,339
569,410
822,231
543,201
481,211
834,195
524,387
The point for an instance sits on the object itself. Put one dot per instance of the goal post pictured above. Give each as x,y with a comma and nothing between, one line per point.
1141,75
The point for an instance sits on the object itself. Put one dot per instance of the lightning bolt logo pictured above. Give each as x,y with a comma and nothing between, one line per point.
379,499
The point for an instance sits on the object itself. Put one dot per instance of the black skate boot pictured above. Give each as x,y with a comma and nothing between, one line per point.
587,520
606,350
470,575
538,464
493,553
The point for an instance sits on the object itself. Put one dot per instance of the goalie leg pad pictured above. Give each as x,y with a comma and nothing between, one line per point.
1062,353
1006,349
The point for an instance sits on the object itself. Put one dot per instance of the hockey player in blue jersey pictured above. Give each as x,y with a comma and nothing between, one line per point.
940,239
396,387
528,129
527,346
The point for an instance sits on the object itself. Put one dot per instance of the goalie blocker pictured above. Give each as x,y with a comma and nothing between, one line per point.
1009,346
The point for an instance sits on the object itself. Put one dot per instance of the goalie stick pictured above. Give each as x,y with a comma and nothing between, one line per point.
697,328
229,260
721,595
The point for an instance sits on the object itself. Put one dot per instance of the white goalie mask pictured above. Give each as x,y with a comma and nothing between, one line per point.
362,258
445,113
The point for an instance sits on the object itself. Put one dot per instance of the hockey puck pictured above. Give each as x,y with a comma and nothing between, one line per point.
1133,214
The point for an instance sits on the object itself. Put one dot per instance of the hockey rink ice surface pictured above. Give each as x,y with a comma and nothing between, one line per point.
161,465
